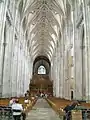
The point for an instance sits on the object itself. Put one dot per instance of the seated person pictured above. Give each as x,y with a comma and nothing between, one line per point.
17,110
32,98
26,101
68,109
71,106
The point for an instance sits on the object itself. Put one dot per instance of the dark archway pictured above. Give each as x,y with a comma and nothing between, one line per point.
41,83
41,61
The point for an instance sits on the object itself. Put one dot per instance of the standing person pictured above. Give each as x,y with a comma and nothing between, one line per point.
17,110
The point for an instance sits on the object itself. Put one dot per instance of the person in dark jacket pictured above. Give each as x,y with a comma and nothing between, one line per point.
68,109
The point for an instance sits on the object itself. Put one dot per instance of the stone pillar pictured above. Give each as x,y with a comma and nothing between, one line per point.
62,87
57,71
7,90
60,74
3,9
77,55
14,58
19,57
54,75
86,16
78,63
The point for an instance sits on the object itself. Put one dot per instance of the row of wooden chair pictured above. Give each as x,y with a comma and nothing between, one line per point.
58,105
6,111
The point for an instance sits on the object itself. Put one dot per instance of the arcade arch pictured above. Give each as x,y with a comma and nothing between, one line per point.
41,62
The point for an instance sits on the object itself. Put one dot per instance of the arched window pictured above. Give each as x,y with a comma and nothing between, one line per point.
41,70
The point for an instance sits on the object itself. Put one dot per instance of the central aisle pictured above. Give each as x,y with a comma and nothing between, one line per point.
42,111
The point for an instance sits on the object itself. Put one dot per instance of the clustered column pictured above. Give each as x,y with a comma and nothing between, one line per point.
16,63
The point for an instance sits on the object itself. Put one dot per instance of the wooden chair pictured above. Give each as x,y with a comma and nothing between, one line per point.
76,115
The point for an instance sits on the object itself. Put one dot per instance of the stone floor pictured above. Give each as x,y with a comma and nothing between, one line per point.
42,111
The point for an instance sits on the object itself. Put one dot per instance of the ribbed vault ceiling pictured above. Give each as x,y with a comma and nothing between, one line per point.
42,21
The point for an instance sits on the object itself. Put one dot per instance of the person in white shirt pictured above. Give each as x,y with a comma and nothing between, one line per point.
17,110
26,101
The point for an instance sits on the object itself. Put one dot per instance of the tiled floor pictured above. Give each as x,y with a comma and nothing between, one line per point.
42,111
